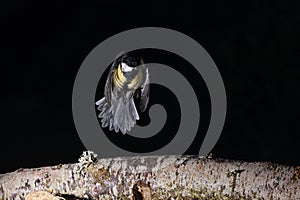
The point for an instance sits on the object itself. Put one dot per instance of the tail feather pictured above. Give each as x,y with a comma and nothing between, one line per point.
133,111
118,116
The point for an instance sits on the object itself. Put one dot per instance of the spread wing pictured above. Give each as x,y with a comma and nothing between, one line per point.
108,84
145,91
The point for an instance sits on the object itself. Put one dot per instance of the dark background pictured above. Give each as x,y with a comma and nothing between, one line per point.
254,44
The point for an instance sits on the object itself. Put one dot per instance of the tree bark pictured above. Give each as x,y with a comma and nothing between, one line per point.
154,177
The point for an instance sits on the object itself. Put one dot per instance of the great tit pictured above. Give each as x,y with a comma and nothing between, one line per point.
127,84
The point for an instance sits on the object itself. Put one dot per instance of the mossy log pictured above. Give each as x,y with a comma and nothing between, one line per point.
154,177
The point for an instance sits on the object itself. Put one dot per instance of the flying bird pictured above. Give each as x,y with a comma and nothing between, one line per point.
127,88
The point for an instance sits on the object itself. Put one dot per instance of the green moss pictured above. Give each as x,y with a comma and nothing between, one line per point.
296,173
98,175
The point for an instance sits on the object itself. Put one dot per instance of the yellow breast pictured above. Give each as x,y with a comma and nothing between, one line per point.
118,77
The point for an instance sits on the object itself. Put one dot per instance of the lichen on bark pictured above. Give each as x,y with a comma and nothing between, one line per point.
156,177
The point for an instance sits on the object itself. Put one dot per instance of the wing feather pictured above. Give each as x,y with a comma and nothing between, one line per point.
145,92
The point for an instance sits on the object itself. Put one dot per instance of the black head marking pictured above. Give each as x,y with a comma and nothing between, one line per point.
130,61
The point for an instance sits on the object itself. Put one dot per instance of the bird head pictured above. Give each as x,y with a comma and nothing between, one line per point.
128,64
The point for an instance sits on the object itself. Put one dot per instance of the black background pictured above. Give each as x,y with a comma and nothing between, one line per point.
254,44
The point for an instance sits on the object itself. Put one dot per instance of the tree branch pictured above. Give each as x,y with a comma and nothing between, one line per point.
154,177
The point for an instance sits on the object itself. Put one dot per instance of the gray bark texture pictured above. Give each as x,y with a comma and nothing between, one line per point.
153,177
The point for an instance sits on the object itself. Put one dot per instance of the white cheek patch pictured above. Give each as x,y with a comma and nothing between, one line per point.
126,68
